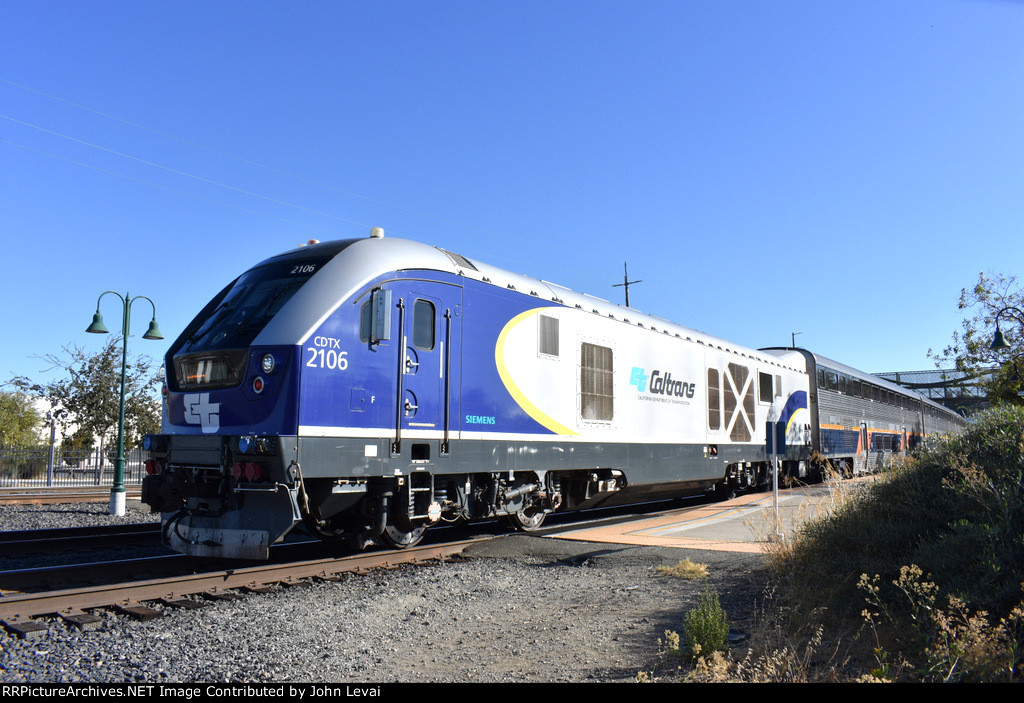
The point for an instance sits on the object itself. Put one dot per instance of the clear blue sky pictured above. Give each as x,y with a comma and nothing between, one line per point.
835,168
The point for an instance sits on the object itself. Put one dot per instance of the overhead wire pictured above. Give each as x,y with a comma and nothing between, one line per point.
173,190
542,242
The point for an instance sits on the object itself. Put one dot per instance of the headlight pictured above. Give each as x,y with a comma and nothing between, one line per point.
268,363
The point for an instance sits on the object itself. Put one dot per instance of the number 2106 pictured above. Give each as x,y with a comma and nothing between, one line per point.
326,359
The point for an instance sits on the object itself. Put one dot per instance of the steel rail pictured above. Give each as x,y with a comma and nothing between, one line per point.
64,494
76,538
18,607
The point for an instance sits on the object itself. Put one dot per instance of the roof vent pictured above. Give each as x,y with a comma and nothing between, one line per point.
458,259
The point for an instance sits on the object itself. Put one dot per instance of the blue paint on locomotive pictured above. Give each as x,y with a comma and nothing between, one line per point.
487,311
241,410
796,401
348,383
344,382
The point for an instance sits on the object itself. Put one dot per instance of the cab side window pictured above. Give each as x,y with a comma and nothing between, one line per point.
423,325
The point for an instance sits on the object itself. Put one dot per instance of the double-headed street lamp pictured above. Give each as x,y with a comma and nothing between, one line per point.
117,491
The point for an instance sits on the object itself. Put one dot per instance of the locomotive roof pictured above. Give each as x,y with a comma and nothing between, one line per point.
367,259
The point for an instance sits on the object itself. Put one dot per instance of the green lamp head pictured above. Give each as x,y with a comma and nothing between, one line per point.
999,342
97,326
153,332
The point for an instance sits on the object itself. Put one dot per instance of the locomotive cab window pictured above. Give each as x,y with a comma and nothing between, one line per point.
211,354
423,325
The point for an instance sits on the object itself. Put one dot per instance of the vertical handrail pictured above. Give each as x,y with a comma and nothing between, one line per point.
396,446
447,377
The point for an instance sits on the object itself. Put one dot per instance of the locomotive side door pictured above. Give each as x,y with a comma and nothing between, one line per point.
428,316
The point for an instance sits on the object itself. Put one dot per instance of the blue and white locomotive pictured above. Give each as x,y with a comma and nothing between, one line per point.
370,388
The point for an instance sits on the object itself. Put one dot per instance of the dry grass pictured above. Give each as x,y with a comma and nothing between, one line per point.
686,569
912,577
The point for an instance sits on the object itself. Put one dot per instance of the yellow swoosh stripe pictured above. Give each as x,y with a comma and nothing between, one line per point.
517,395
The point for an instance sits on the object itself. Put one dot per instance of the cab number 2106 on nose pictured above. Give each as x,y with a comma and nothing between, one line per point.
326,359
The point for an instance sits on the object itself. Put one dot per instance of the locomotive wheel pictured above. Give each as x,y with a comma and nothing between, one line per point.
398,538
527,520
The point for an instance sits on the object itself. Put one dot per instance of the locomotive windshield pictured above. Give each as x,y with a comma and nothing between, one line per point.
213,349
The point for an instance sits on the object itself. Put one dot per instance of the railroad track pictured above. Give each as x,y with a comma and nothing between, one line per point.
175,580
19,611
74,539
63,494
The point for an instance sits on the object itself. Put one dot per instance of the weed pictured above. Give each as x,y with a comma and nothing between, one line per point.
686,569
943,534
671,644
706,626
947,644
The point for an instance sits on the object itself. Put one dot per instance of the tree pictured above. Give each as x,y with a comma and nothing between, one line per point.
1001,372
89,393
19,420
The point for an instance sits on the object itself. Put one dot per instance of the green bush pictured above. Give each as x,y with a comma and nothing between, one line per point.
706,626
935,549
22,464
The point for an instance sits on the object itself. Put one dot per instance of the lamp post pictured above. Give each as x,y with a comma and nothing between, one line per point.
117,490
999,342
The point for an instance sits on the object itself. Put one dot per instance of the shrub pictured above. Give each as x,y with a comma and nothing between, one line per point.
706,626
955,514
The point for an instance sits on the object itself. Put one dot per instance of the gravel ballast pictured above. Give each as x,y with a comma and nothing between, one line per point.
522,609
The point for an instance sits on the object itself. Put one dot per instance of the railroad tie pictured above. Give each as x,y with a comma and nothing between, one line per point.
24,628
139,611
81,619
181,602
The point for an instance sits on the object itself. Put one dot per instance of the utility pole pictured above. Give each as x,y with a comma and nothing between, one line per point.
626,283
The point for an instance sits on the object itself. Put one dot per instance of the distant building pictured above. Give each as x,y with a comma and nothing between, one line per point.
957,390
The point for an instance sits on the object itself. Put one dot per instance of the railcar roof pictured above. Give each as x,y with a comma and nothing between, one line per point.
880,382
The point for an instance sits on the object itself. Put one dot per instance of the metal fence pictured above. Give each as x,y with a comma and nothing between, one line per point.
26,468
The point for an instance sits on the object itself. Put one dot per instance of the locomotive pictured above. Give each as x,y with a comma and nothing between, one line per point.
369,388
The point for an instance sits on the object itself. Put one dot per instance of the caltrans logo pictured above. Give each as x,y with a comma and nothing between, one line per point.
639,379
661,383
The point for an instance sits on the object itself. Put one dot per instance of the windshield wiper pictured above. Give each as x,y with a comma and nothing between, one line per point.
211,324
262,309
